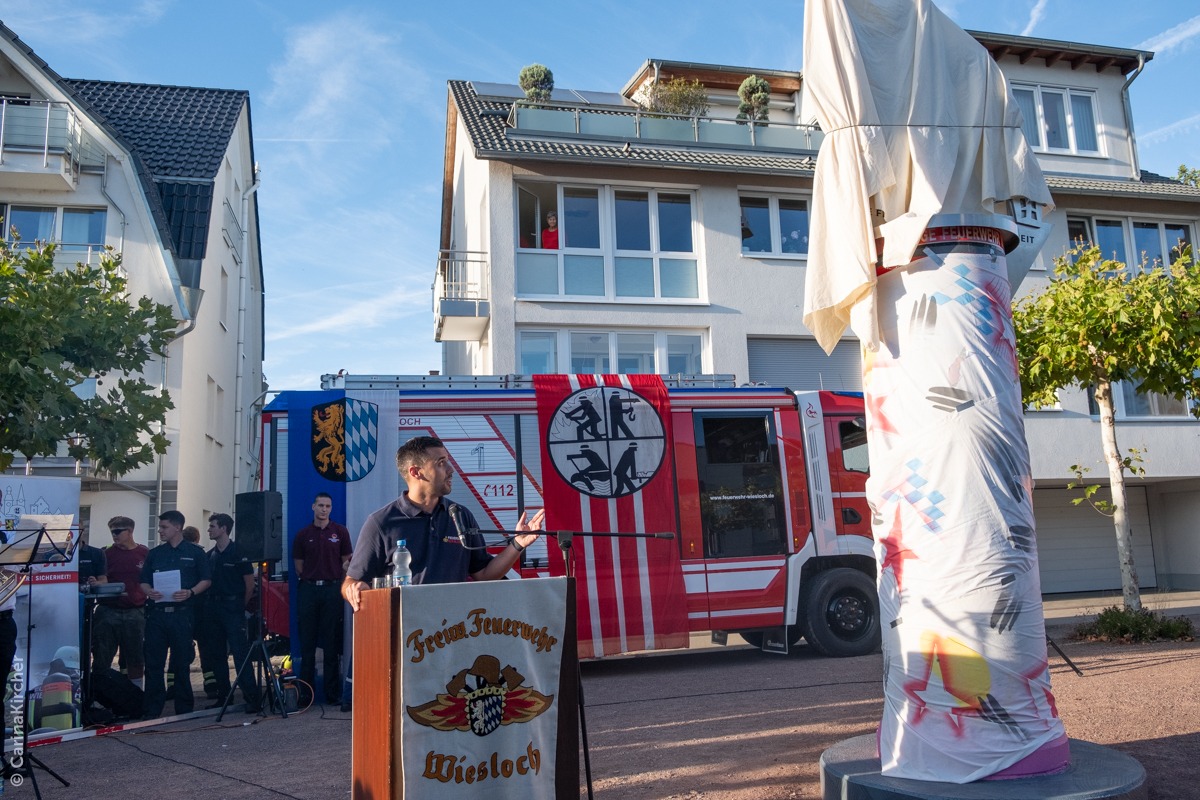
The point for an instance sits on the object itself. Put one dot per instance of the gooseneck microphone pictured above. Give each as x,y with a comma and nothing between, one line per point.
460,529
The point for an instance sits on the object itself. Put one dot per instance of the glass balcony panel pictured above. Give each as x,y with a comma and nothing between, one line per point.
783,137
537,273
667,129
635,277
545,119
607,124
723,131
678,278
583,275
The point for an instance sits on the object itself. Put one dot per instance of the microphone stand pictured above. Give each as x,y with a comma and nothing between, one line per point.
565,539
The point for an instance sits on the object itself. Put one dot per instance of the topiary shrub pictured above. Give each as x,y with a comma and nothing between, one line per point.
755,94
537,81
677,96
1119,624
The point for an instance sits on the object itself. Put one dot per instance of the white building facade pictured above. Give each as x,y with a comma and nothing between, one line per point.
166,176
681,247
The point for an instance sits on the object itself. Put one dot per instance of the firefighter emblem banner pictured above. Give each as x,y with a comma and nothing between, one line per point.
479,676
607,468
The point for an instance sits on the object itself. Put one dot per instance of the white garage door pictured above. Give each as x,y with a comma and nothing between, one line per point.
801,364
1077,549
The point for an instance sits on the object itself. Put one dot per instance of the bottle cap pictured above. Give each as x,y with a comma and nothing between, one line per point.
401,543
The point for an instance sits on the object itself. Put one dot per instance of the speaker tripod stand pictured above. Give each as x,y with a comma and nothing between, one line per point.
258,659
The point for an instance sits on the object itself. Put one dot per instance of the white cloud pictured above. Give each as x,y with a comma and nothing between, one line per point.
357,316
73,22
1168,131
1035,16
343,78
1173,37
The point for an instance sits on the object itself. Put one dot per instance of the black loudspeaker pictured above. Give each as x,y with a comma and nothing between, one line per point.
258,525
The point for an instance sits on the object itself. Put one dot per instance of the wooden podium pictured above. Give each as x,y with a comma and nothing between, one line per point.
377,767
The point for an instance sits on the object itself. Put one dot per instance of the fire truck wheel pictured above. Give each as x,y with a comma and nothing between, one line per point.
753,638
841,614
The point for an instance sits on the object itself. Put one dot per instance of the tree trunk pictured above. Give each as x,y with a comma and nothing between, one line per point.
1116,479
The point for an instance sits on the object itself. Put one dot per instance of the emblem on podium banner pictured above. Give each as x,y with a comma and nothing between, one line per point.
345,439
481,699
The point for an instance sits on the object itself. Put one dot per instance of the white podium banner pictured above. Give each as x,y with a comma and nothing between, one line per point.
479,676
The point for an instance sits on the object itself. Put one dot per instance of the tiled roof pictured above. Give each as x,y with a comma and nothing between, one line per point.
485,122
180,134
188,207
179,131
1151,185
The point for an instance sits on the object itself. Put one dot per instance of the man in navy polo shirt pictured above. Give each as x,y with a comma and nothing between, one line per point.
421,517
321,551
169,622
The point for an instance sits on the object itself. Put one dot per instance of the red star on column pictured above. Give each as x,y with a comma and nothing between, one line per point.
894,551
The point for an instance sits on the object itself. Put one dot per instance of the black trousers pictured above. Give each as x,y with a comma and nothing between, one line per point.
319,618
169,626
223,632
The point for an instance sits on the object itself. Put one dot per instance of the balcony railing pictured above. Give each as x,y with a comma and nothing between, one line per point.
47,128
231,229
660,127
461,307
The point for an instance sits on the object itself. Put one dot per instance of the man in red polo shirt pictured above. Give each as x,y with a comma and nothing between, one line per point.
321,552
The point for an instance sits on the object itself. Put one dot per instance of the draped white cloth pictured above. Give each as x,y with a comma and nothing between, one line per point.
918,120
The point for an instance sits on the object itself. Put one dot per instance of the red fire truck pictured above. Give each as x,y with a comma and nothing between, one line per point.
762,489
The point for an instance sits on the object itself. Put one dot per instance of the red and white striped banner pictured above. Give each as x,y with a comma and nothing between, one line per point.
606,467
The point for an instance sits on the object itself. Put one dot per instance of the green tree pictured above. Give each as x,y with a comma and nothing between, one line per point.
755,95
537,81
677,96
1099,322
60,327
1189,176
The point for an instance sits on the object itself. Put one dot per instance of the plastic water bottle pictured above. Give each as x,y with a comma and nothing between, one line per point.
401,565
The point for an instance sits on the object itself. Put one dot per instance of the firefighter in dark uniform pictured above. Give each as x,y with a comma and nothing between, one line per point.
224,628
169,620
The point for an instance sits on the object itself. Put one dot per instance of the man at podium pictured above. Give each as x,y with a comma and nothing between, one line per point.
442,536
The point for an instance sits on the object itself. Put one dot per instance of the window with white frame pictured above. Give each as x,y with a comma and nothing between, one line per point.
606,243
625,352
774,225
1128,403
1057,119
74,229
1131,241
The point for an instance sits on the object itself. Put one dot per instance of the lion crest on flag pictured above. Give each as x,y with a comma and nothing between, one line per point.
345,439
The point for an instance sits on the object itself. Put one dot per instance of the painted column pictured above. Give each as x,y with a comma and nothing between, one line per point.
967,688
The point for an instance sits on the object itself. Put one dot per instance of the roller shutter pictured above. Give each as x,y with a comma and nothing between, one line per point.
802,364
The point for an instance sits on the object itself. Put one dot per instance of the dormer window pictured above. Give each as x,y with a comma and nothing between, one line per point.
1059,120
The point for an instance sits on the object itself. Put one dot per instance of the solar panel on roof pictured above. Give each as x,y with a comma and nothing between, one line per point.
502,91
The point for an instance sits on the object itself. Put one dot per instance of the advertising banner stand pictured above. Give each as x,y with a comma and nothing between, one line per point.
25,550
473,688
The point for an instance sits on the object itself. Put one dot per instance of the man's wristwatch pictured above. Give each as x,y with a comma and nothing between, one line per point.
520,548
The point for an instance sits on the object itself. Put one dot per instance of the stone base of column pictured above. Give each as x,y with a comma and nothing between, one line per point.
850,771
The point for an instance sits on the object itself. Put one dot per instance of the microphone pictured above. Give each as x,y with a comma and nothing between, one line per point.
456,518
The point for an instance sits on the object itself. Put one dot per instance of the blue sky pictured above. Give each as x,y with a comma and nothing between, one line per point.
348,102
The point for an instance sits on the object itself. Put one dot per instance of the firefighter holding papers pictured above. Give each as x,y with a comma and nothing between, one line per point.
442,536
